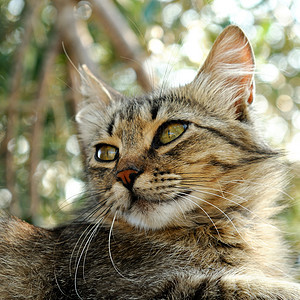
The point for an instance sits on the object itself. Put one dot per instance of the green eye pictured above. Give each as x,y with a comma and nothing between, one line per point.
106,152
170,132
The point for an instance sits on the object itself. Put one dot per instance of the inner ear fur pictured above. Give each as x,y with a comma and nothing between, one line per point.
231,62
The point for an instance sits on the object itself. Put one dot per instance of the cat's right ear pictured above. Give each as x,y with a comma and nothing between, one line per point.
95,90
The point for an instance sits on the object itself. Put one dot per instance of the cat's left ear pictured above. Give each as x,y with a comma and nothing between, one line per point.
229,72
95,90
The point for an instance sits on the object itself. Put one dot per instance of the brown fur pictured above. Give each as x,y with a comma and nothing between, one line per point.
196,222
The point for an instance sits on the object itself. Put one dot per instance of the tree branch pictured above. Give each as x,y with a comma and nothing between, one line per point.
70,37
40,108
14,97
122,37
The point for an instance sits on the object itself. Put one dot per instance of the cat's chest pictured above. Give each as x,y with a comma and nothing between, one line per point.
131,263
138,254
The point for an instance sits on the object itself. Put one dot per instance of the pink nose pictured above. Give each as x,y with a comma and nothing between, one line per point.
128,177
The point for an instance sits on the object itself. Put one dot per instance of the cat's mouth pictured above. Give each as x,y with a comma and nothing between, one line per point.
136,201
140,202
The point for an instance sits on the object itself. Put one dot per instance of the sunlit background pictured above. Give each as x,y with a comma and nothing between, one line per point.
171,39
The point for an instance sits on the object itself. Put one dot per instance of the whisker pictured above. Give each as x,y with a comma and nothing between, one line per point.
69,59
90,236
100,222
109,248
262,185
251,182
178,204
226,216
80,197
234,202
84,249
83,235
204,188
85,238
92,211
213,223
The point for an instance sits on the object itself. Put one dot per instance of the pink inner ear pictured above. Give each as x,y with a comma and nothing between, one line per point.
230,66
231,48
250,99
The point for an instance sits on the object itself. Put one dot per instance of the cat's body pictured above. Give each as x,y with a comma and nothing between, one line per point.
172,264
181,196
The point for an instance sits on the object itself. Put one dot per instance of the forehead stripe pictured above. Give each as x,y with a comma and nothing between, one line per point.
227,138
110,127
154,111
156,105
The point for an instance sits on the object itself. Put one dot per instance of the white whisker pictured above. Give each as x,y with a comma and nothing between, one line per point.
177,203
213,223
203,190
85,240
226,216
109,249
262,185
79,259
84,235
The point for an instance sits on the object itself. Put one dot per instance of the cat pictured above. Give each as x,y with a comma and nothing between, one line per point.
182,193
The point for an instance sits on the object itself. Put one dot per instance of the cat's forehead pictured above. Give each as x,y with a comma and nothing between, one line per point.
131,120
136,119
169,105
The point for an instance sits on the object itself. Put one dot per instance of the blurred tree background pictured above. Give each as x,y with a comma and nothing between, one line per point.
134,45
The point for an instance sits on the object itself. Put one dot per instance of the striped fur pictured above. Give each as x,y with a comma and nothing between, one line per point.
196,220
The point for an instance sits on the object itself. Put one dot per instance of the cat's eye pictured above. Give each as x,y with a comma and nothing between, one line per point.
169,132
106,153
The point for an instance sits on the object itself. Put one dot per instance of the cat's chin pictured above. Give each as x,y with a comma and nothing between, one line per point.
156,216
145,222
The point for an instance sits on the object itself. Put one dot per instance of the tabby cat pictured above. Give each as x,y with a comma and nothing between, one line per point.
181,195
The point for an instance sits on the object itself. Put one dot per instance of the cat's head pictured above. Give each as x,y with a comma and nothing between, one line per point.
180,156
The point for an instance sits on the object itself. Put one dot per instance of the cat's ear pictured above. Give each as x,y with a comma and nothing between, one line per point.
94,110
230,68
95,90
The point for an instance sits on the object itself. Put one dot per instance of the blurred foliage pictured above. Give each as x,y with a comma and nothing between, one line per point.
175,37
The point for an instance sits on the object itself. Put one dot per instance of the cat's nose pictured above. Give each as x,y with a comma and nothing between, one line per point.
128,177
